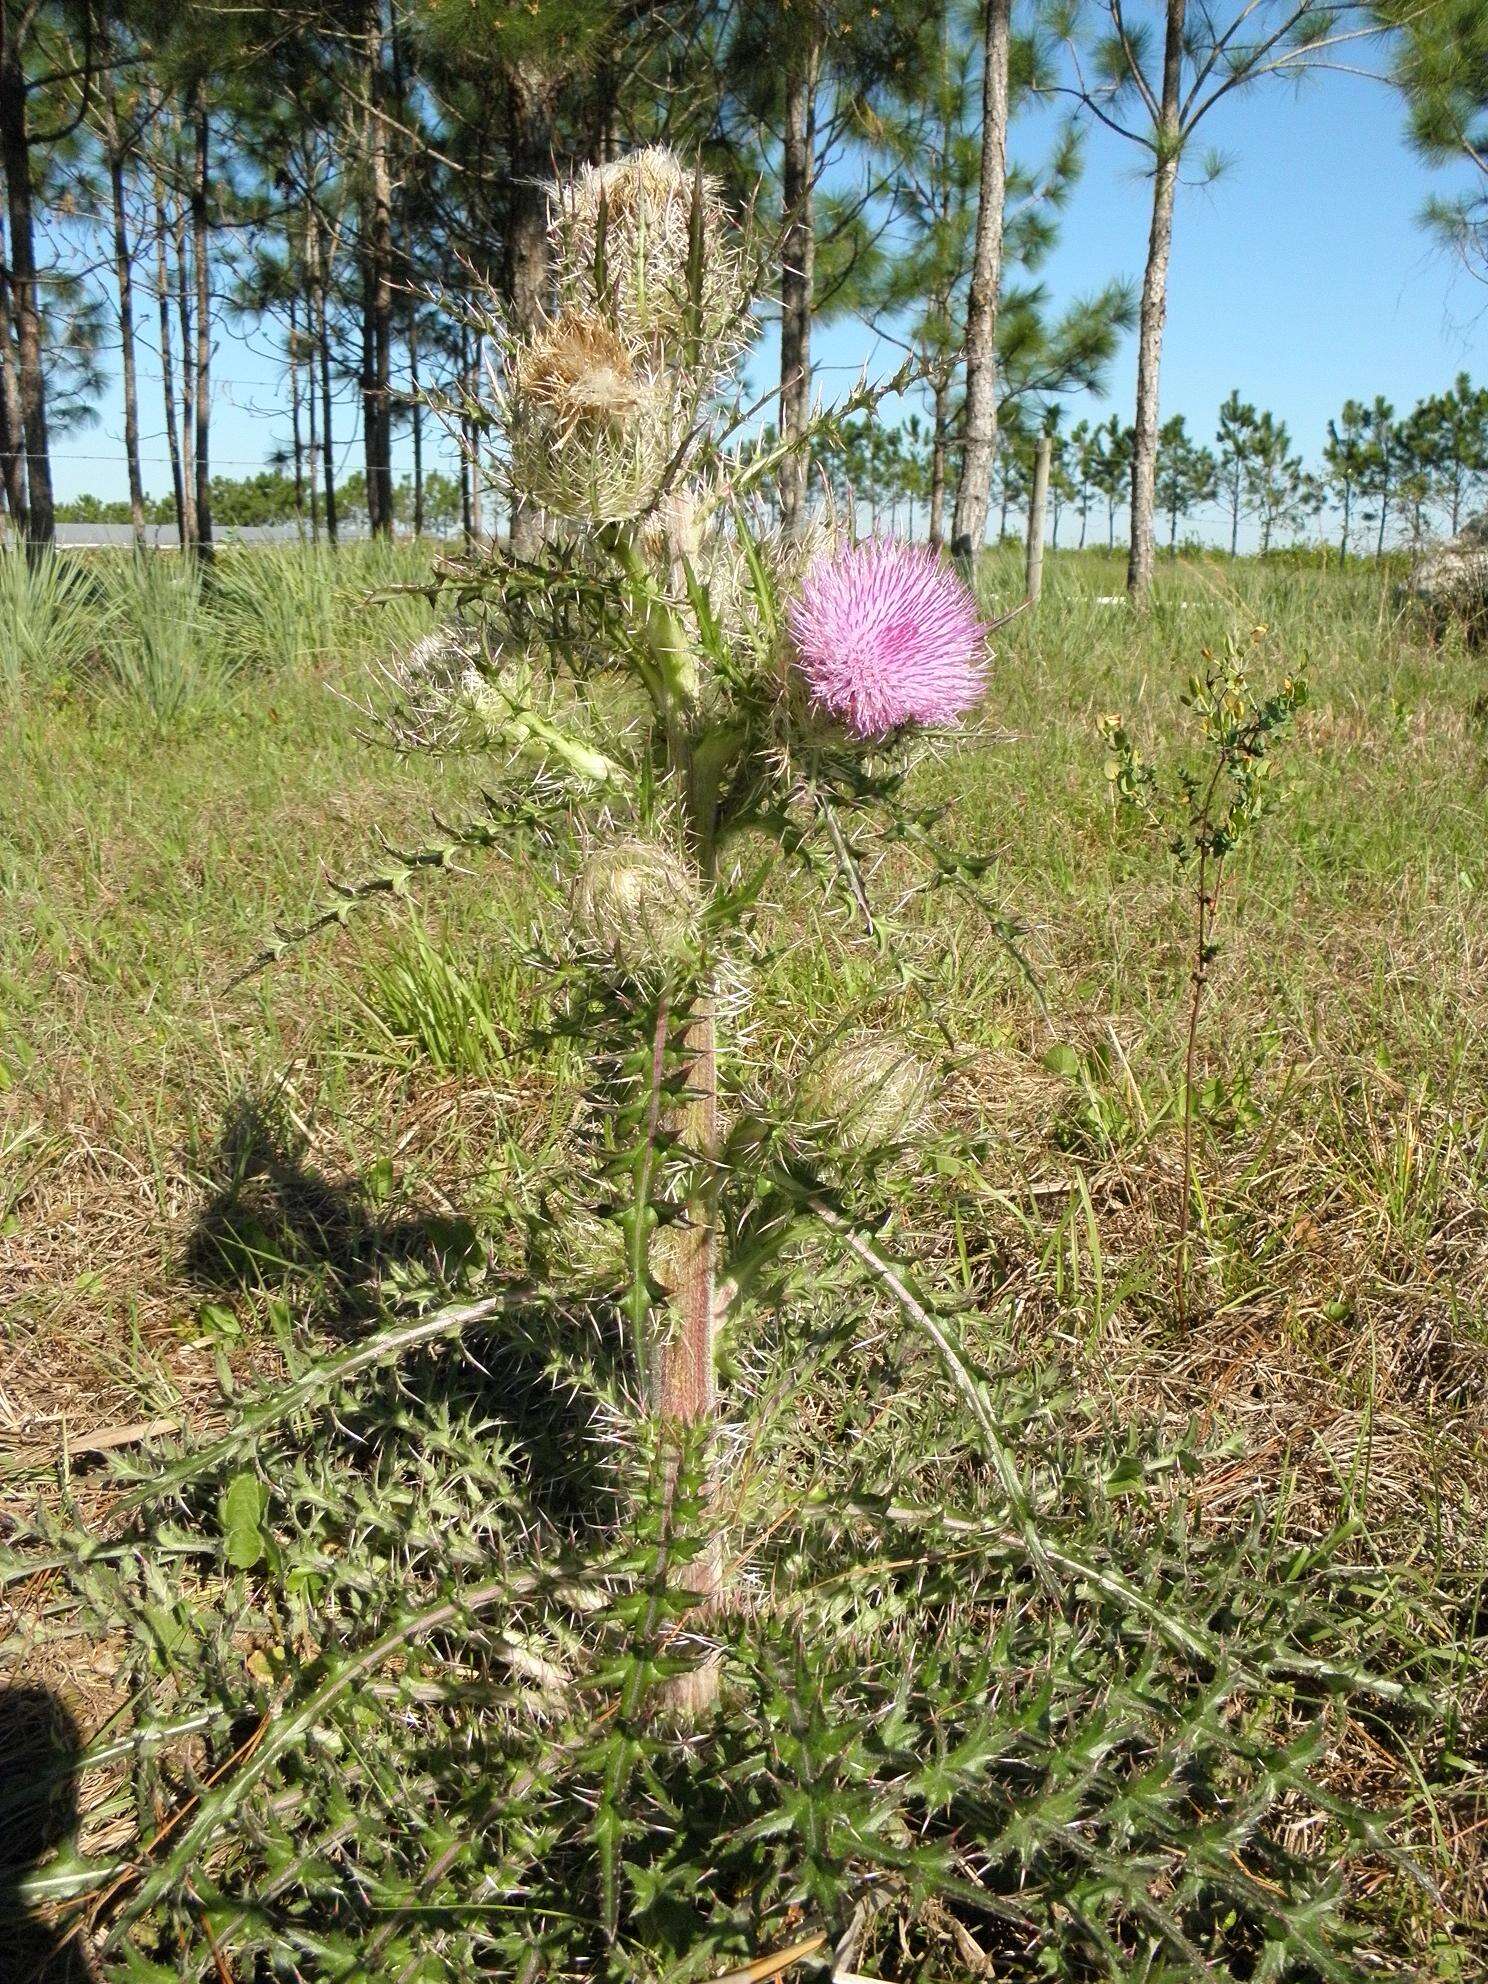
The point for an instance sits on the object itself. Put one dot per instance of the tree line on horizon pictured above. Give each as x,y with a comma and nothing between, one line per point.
355,180
1387,480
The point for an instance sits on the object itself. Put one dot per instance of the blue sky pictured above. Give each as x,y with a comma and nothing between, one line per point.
1302,277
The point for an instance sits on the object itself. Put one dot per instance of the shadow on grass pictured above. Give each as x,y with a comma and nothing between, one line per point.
275,1224
273,1220
39,1749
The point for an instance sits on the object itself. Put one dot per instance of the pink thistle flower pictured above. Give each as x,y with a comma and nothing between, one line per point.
887,634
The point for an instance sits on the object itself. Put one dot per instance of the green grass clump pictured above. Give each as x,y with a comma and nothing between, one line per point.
277,609
164,655
461,1022
52,619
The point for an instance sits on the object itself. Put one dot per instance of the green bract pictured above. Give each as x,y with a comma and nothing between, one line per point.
866,1092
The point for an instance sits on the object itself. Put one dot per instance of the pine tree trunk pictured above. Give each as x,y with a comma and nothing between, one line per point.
477,492
296,426
200,257
530,149
167,360
15,160
941,422
314,250
797,282
12,427
312,422
124,281
974,490
312,426
188,379
467,526
1154,309
1084,522
377,281
417,422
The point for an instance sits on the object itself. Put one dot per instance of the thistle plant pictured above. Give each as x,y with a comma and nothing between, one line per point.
681,701
1203,813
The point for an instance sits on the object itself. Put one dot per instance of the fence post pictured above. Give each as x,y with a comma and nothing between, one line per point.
1037,504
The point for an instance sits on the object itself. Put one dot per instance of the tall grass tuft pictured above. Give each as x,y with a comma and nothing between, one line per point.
299,606
52,619
165,657
373,611
277,608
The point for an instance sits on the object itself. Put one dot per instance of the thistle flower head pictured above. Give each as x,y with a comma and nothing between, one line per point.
646,242
634,903
591,426
868,1091
886,634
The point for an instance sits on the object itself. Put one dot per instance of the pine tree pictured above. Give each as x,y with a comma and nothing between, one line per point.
1278,489
1346,465
1186,476
1235,442
1381,461
1440,62
1451,428
929,142
1109,466
1153,80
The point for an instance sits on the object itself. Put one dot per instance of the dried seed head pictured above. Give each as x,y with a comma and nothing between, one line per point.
635,903
578,371
591,427
652,183
867,1092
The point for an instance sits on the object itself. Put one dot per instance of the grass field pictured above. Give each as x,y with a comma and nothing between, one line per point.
196,1174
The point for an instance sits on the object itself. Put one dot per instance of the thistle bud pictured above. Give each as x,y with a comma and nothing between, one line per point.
689,543
868,1092
646,242
635,903
433,690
